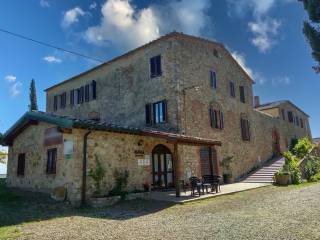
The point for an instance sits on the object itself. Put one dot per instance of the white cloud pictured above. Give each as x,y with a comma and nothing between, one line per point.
72,16
263,27
10,78
15,89
44,3
52,59
128,27
93,5
284,80
264,33
240,58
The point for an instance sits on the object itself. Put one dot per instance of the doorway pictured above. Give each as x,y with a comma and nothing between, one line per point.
162,168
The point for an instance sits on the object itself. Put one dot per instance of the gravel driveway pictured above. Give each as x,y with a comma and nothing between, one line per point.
266,213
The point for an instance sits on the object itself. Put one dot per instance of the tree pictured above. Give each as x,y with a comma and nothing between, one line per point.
33,96
311,29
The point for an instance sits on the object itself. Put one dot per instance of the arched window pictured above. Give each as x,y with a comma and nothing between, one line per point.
245,127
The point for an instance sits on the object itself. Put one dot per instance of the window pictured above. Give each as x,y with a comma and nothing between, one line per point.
213,79
51,161
72,97
63,100
283,114
55,103
242,94
155,66
87,93
232,92
80,93
21,164
156,112
94,89
159,112
297,120
245,129
290,116
216,119
301,123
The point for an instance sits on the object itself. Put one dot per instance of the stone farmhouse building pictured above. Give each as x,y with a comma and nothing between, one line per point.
174,108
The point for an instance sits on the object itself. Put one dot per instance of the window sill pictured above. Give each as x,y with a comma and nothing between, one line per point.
156,76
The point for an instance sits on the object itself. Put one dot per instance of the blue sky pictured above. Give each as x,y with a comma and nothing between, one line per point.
265,36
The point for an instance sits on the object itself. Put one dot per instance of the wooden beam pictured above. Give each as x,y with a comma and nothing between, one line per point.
176,161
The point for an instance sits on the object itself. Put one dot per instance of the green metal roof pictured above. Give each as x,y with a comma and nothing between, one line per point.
68,122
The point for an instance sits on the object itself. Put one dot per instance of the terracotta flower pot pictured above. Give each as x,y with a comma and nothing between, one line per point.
282,179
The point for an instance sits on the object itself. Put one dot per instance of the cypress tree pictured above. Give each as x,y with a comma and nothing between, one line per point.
33,96
311,29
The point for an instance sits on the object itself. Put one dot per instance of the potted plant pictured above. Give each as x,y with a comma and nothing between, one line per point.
146,187
282,177
226,164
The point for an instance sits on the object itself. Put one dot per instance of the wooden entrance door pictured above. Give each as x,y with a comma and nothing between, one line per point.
206,161
162,167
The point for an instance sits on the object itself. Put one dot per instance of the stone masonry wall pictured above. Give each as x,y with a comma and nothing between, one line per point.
124,87
31,142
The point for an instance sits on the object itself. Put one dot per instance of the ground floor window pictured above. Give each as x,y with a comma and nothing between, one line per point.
21,164
51,161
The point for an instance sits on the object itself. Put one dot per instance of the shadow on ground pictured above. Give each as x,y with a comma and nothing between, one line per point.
18,207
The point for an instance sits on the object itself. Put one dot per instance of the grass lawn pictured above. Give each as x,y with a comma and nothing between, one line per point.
266,213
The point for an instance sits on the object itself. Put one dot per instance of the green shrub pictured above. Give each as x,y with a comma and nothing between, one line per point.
315,178
97,175
302,148
281,172
293,168
312,167
121,182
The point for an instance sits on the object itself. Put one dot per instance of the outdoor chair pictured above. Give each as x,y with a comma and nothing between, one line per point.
216,180
195,184
212,181
208,181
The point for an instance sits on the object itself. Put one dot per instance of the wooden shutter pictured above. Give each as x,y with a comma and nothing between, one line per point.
81,94
213,79
158,65
152,67
55,103
206,161
72,97
149,114
21,164
221,120
242,94
94,89
211,117
165,110
51,161
87,93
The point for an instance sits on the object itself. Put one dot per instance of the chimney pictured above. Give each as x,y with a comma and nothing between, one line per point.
256,101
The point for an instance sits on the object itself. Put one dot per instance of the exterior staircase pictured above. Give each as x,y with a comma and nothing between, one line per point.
265,174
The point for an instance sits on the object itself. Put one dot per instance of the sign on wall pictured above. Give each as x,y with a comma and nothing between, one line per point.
68,148
144,161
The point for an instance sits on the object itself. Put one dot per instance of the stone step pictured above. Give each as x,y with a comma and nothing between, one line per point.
266,173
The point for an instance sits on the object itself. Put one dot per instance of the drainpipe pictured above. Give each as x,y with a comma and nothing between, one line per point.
84,169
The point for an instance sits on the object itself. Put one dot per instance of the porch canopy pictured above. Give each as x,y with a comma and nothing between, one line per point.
68,123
